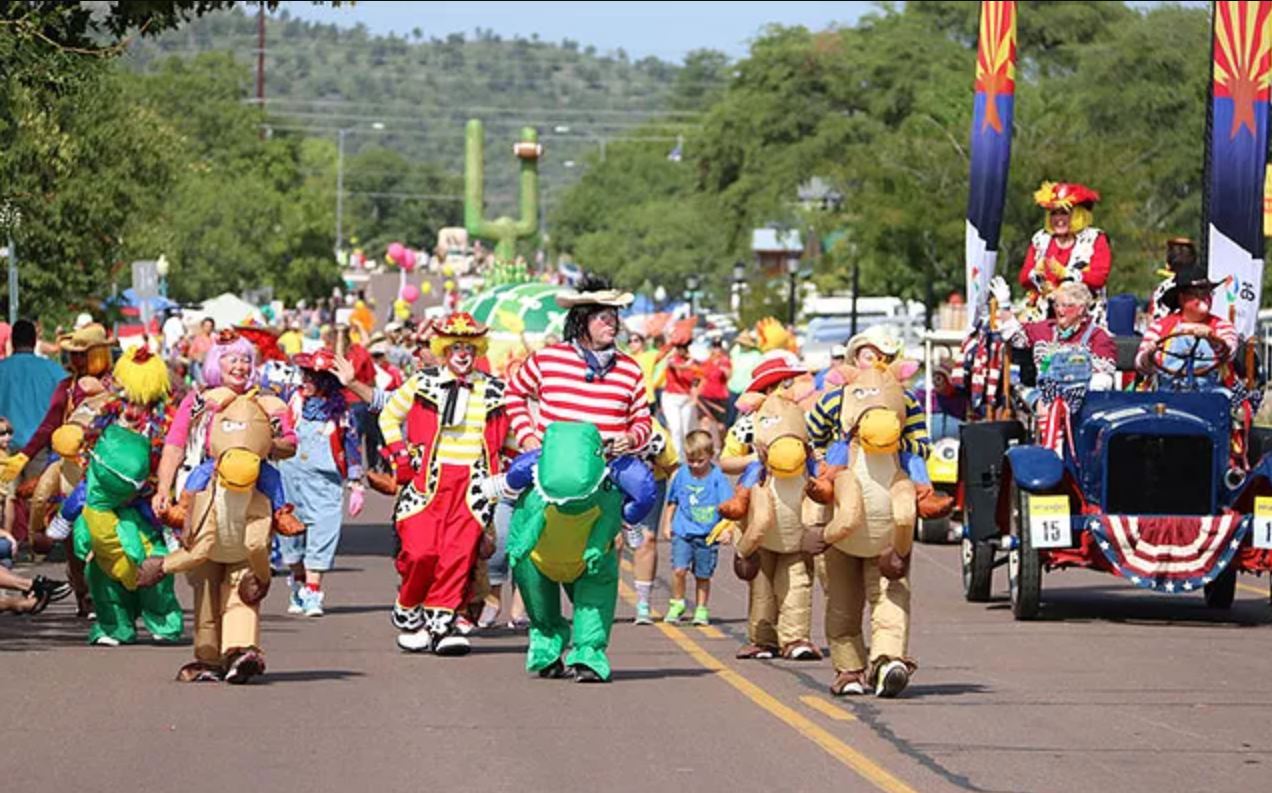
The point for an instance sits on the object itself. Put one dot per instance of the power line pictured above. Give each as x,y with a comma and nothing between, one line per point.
424,120
564,111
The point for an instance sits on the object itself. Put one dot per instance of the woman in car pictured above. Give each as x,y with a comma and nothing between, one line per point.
1073,355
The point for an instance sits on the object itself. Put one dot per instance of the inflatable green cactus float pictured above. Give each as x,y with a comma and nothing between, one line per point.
504,230
562,536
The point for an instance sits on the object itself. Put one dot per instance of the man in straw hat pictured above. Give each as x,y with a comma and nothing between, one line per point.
587,379
584,378
447,466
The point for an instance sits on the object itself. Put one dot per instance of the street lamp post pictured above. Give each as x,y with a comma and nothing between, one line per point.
10,218
792,268
340,142
739,279
691,286
161,268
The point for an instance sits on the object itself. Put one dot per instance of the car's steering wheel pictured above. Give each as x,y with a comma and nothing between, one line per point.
1194,360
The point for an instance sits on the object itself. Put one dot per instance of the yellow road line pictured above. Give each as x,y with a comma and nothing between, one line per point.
1256,590
710,631
858,762
833,711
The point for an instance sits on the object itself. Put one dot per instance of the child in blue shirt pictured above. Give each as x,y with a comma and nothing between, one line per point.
696,491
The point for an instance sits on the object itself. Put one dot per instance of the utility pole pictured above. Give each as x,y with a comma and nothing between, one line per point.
260,61
340,190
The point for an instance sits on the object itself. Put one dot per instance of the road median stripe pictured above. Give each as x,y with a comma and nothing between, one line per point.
710,631
834,712
858,762
1256,590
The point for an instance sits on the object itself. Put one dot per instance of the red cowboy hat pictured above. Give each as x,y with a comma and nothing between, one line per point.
772,371
264,339
318,361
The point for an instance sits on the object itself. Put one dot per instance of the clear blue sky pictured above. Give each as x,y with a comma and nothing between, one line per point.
667,30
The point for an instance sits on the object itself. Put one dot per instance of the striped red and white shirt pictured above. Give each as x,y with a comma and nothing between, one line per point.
1225,335
556,378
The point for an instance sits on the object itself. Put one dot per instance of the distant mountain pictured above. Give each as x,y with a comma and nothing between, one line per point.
321,78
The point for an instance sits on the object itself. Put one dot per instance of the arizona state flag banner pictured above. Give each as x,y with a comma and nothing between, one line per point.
992,115
1236,158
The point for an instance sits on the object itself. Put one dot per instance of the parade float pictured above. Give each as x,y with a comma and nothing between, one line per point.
1164,484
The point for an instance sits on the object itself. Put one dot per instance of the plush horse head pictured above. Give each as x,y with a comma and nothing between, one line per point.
240,438
873,409
781,437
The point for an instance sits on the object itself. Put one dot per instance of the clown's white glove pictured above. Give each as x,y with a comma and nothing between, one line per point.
1000,291
633,536
59,528
496,488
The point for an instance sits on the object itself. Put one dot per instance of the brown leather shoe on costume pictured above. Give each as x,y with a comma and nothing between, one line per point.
245,665
286,523
174,517
199,672
801,650
252,590
851,681
750,652
931,503
737,507
382,483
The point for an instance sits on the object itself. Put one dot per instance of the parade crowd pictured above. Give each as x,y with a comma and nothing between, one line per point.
231,454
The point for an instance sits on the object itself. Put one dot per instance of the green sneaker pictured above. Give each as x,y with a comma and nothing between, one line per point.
675,610
701,616
643,616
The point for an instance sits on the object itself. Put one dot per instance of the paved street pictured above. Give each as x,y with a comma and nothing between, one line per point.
1115,689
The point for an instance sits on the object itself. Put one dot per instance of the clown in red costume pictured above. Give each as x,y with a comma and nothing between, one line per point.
1066,248
447,466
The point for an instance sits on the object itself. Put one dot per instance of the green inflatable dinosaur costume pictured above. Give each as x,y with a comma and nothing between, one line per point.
117,539
562,534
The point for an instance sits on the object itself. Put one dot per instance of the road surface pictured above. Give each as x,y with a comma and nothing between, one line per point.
1114,689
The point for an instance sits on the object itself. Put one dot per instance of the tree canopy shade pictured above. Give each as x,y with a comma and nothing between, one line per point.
1107,95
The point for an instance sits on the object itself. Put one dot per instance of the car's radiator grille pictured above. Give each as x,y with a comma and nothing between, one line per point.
1156,475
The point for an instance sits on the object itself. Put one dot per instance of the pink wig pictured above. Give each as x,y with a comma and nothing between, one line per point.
212,361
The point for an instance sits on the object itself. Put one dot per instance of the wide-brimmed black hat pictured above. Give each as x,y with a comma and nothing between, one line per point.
1191,277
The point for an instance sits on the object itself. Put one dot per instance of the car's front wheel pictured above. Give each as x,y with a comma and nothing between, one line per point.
1024,566
978,570
1223,590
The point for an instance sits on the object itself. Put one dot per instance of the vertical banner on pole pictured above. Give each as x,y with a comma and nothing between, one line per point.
1236,159
992,115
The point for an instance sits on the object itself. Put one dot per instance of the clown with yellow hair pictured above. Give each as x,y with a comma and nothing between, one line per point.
1066,248
443,431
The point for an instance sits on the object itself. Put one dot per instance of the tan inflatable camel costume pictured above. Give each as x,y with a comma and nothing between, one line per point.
869,538
772,517
226,545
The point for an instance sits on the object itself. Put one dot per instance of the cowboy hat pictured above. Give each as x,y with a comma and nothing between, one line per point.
775,368
1192,277
456,327
322,360
86,338
880,337
615,298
